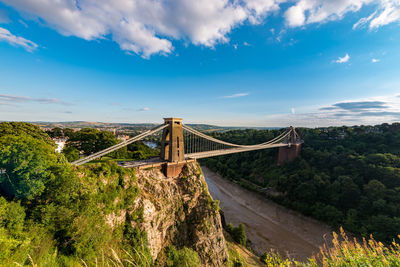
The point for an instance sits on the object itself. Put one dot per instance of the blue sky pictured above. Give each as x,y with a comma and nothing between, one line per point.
249,62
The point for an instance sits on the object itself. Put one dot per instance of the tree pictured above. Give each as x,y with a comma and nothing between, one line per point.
23,128
91,140
71,153
68,132
375,190
26,163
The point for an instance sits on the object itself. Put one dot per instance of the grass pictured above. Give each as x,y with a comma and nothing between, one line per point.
345,252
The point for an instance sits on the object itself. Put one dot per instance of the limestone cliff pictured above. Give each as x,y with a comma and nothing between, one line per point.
180,211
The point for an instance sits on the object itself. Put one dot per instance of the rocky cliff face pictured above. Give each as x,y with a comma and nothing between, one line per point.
180,211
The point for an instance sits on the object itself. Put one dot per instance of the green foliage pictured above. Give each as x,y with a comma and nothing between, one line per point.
91,140
20,238
54,214
26,163
135,242
181,258
71,153
238,233
23,128
139,150
347,176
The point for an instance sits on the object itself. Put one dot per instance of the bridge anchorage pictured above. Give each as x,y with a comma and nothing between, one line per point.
181,144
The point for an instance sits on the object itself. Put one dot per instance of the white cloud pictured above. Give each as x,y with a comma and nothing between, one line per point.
343,59
144,109
7,36
147,27
390,12
375,60
14,99
364,21
236,95
366,111
320,11
293,111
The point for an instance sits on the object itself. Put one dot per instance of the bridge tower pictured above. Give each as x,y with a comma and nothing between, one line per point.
290,152
172,147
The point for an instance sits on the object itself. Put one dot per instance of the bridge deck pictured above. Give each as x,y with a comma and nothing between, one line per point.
150,163
221,152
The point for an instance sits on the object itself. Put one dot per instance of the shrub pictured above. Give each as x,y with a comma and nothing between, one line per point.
238,233
26,163
181,258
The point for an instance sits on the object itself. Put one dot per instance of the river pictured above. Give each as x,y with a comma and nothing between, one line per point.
267,224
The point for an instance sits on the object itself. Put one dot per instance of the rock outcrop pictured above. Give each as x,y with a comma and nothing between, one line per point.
180,211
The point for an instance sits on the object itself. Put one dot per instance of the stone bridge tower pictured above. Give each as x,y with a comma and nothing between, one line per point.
290,152
173,147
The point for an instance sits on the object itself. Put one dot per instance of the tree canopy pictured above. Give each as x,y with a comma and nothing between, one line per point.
347,176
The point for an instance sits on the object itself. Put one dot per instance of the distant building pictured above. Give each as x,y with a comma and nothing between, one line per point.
122,137
60,142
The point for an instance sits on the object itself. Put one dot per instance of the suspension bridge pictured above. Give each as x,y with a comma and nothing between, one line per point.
181,144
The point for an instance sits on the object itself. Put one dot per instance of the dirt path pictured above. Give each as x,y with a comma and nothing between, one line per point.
268,225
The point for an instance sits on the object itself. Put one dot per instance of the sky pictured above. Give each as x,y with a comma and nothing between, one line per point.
270,63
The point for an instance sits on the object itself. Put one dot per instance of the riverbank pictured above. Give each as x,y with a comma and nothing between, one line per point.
268,225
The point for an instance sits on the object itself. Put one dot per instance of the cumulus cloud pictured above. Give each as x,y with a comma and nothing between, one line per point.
144,109
320,11
236,95
147,27
14,99
375,60
7,36
344,59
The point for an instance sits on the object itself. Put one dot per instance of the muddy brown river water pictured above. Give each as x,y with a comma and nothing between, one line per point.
268,225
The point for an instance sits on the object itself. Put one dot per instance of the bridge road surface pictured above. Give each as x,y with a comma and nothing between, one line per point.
268,225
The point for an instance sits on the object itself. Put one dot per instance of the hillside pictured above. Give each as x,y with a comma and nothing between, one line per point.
345,176
53,214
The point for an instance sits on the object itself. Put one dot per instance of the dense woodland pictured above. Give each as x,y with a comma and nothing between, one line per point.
345,176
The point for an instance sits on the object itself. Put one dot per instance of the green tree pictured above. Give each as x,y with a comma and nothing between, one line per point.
71,153
91,140
375,189
23,128
181,258
26,163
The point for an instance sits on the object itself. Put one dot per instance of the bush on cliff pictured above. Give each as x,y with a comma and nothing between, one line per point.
238,233
181,258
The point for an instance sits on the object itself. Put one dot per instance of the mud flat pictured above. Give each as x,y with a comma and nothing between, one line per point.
268,225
